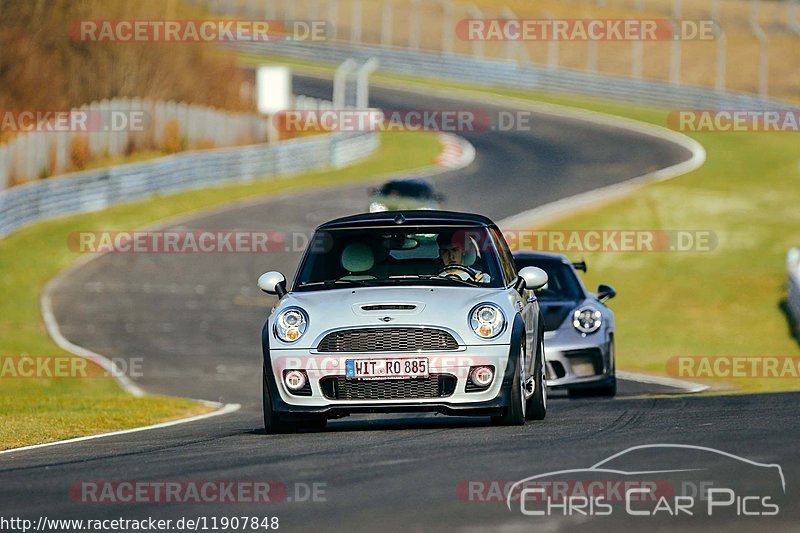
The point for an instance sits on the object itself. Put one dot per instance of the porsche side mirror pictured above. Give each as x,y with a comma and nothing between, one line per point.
605,292
273,283
535,277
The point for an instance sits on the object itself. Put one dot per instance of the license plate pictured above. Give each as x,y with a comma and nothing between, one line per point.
386,368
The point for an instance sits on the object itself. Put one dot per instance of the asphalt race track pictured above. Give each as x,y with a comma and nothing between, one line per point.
195,321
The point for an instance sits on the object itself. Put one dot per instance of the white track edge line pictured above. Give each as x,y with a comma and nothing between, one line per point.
53,329
688,386
223,409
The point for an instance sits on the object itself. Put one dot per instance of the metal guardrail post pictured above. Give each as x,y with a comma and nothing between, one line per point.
675,54
512,47
288,10
448,26
791,17
552,47
386,23
477,45
763,57
637,51
591,55
722,57
332,18
355,21
413,24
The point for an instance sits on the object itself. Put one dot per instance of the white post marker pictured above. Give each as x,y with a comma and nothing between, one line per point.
340,82
362,82
273,93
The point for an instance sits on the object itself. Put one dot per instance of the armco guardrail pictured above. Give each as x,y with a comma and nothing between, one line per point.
793,298
92,190
506,73
122,125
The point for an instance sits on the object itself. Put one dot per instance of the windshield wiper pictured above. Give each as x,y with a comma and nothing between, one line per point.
427,277
329,282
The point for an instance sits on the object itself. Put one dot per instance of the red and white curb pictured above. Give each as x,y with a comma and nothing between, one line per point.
457,152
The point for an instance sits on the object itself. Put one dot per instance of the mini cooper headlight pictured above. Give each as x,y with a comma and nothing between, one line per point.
587,319
487,321
291,324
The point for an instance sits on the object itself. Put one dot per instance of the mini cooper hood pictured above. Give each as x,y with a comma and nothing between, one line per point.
371,306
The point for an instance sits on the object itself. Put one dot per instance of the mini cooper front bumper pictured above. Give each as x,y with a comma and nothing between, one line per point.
446,389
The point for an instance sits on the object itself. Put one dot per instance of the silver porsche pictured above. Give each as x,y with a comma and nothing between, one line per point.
404,311
579,327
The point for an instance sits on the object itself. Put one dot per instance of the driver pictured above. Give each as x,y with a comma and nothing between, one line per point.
451,252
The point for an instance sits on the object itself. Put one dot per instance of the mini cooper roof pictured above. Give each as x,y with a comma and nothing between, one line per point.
410,217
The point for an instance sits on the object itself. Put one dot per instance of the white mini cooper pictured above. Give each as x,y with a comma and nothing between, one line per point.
404,311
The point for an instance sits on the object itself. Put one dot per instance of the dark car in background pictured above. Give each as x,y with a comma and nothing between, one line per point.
579,327
403,194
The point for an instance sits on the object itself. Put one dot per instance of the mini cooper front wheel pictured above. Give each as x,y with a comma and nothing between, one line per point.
537,403
515,412
272,421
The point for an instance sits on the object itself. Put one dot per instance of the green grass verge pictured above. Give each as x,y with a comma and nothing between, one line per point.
42,410
721,303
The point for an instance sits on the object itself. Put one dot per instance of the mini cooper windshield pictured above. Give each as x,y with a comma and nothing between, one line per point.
383,256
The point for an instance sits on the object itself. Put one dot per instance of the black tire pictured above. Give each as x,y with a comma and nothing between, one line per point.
272,421
537,403
316,423
515,412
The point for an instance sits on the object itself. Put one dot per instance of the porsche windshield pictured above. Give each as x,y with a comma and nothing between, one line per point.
562,284
410,255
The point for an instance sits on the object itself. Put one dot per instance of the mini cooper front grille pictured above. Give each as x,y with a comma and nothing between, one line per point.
387,340
434,386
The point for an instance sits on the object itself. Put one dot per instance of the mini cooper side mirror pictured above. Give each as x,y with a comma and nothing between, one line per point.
605,292
273,283
535,278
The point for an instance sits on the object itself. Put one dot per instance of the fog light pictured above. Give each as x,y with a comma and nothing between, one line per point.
482,376
295,379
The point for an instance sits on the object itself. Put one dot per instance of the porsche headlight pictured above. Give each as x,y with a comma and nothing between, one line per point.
291,324
487,321
587,319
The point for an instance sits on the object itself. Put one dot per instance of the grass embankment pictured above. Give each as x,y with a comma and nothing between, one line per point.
726,302
42,410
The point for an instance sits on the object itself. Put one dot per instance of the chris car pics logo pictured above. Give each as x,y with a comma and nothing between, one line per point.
661,480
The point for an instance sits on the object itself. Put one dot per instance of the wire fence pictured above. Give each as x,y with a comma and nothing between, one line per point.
511,74
53,143
754,49
97,189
